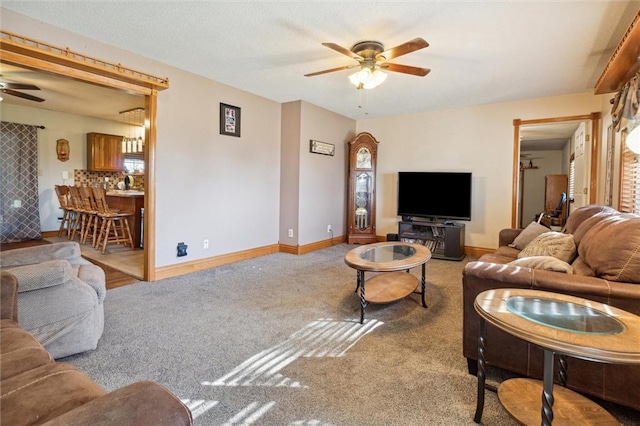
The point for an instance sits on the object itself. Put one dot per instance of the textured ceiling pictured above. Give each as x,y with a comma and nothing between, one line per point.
480,52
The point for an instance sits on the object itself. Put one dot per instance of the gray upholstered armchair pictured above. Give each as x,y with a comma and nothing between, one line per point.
60,296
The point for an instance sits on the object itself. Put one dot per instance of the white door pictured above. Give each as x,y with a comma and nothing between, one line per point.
581,170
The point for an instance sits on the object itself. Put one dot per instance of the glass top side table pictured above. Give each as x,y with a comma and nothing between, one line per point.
561,324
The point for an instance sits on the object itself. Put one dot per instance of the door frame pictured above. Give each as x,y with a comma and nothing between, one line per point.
40,56
594,118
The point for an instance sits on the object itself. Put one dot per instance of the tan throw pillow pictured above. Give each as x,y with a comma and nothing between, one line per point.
528,234
552,243
547,263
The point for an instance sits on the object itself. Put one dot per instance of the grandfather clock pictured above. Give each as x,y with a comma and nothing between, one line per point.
363,153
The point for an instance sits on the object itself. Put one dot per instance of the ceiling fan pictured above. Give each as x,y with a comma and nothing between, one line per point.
12,89
372,57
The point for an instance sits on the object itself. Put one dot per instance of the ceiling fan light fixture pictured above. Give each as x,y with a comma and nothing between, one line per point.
367,79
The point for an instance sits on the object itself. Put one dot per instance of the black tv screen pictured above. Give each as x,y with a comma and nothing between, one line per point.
435,195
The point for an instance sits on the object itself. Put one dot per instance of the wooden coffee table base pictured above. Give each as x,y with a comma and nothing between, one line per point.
522,398
390,286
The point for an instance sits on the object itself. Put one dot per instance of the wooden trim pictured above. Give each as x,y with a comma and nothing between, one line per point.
477,251
28,53
49,234
50,54
308,248
595,157
624,63
212,262
515,173
150,137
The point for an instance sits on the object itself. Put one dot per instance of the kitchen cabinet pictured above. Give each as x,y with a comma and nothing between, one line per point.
104,153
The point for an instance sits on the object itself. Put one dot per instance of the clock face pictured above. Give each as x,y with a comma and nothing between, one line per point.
363,159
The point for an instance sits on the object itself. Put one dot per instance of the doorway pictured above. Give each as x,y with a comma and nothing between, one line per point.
538,140
26,53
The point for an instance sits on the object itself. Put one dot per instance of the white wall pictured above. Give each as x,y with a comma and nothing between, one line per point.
477,139
58,125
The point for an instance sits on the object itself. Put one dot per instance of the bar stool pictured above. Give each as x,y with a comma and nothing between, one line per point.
114,225
62,191
89,226
78,212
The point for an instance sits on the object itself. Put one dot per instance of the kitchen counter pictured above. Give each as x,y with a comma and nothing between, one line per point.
125,193
130,201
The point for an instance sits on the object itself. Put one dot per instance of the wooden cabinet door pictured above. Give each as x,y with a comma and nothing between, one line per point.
554,186
104,152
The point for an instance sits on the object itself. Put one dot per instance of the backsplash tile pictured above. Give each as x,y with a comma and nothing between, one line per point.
92,178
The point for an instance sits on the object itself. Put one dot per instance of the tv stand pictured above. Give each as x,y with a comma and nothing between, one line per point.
445,240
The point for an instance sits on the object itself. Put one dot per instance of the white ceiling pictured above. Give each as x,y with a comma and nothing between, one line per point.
480,52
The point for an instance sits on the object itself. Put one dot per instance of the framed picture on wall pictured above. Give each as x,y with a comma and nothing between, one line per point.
229,120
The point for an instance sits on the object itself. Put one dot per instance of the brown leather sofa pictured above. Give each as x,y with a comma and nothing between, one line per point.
606,269
37,390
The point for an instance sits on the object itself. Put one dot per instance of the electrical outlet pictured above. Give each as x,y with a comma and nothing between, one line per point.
182,249
290,233
205,244
328,228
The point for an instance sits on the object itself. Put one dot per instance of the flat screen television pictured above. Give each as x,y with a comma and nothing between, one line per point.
435,195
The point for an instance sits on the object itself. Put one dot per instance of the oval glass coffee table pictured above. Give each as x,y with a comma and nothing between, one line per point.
391,257
559,324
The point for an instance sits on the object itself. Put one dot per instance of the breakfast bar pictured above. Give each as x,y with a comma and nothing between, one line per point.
129,200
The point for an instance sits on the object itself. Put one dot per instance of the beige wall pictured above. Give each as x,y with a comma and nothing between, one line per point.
476,139
313,185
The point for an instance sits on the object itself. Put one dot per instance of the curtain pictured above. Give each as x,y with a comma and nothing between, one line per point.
624,112
19,213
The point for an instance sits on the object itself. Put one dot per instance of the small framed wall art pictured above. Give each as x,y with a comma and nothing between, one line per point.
229,120
323,148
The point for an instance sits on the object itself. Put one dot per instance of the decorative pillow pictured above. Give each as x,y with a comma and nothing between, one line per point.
547,263
552,243
528,234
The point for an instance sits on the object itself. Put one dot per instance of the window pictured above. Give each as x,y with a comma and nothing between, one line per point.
572,176
133,164
629,179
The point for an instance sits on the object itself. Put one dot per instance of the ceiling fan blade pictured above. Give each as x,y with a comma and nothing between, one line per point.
407,69
18,86
343,50
403,49
346,67
22,95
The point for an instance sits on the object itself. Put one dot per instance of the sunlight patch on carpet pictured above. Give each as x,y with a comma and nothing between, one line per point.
199,406
322,338
250,414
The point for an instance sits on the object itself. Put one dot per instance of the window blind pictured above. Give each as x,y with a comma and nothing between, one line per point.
572,176
629,180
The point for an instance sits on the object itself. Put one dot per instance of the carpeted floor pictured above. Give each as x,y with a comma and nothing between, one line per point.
276,341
